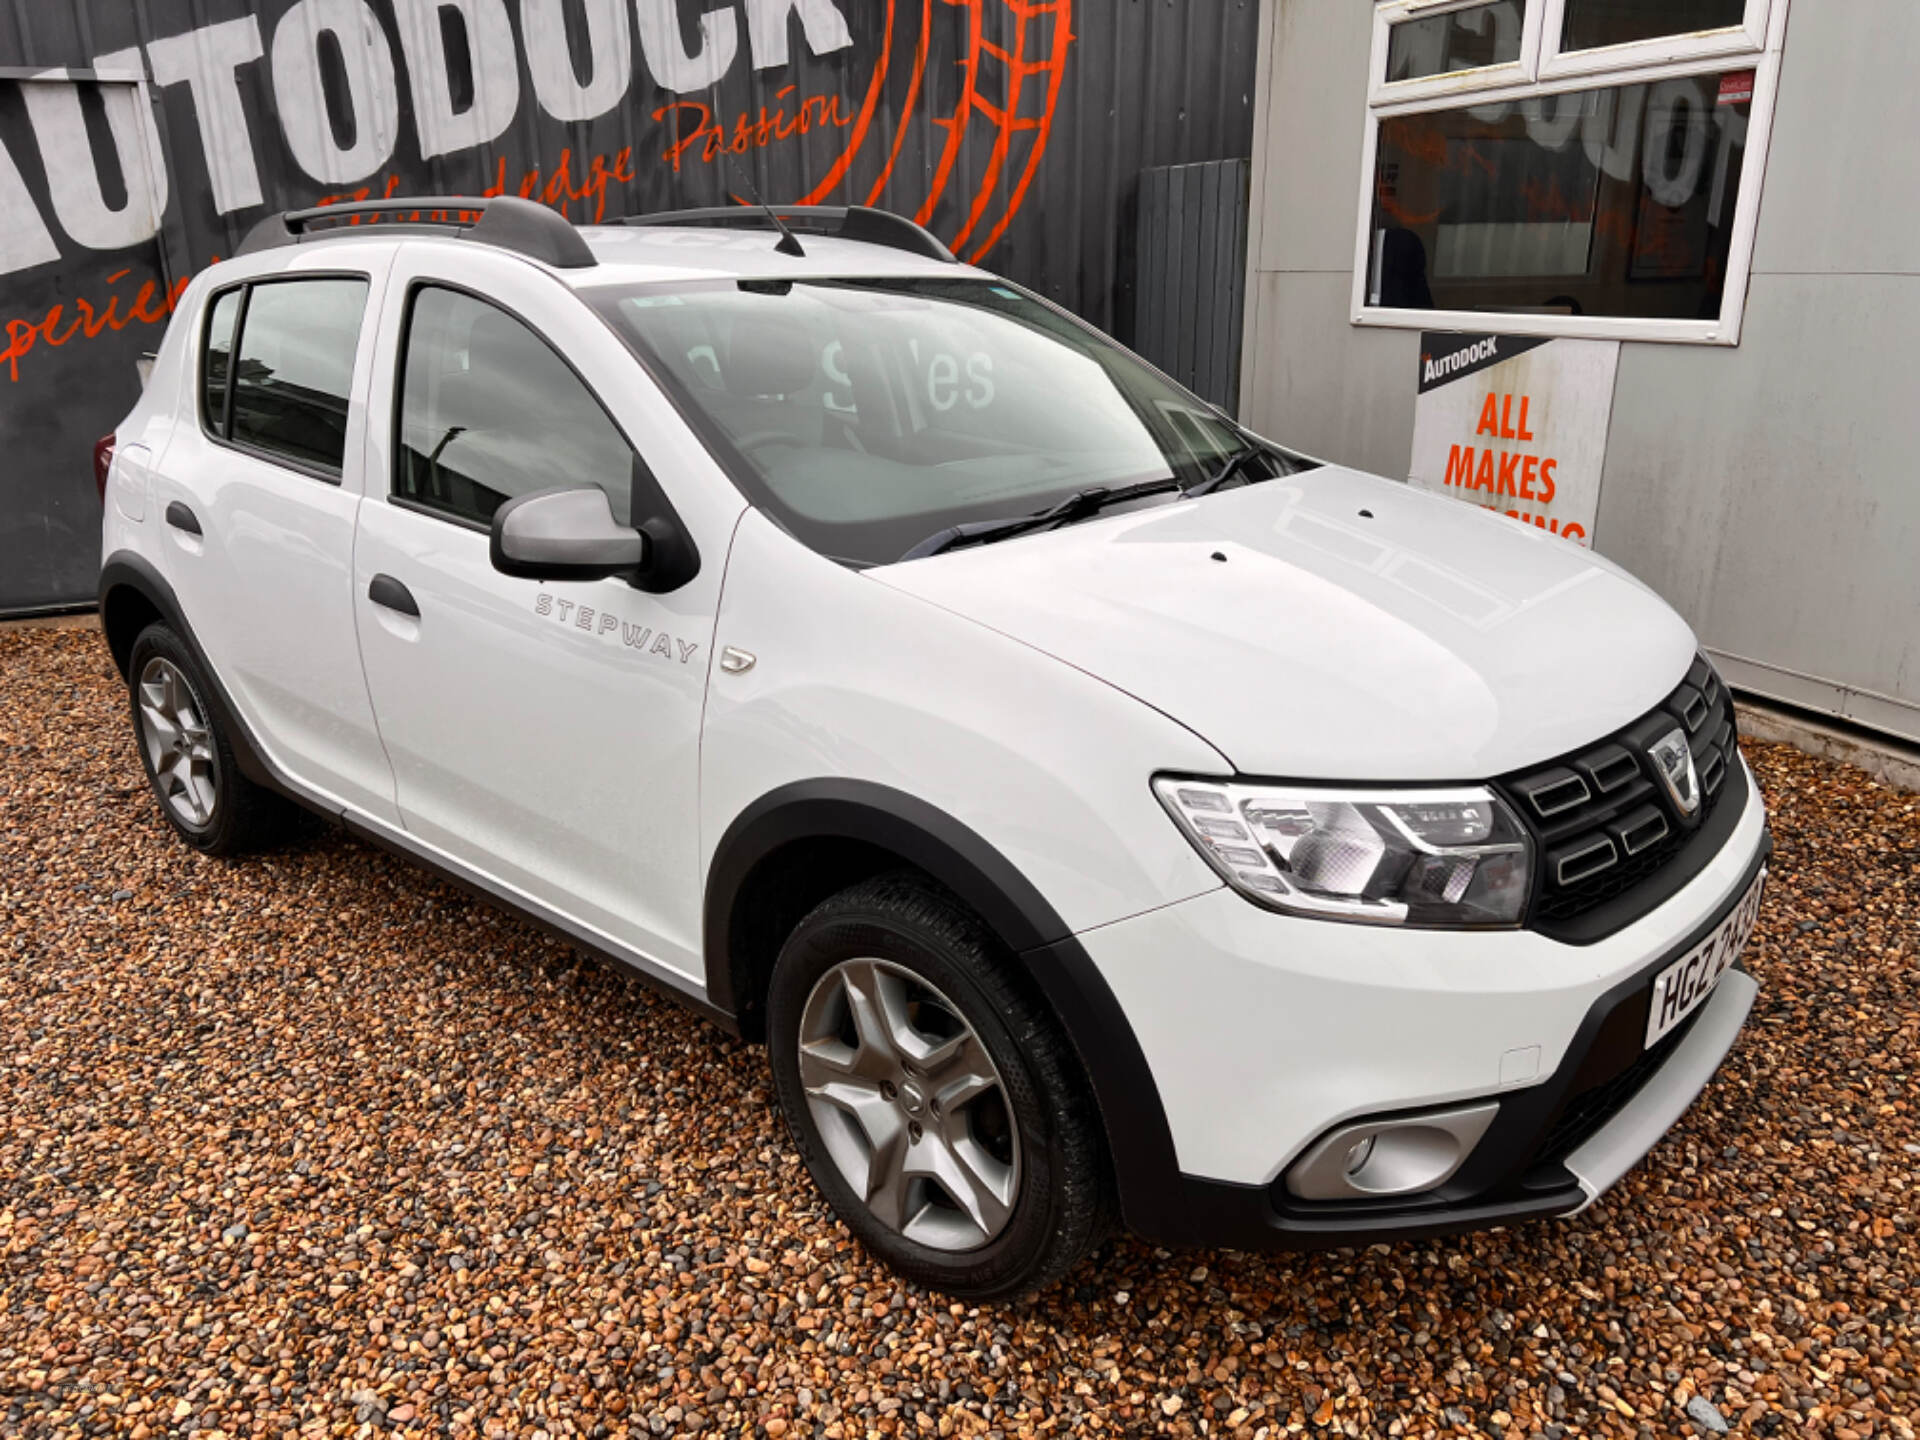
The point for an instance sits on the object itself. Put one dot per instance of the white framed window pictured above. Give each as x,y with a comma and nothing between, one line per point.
1424,48
1565,167
1590,37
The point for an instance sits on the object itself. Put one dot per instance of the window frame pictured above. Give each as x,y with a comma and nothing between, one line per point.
1389,13
1541,72
1749,37
219,435
642,471
223,437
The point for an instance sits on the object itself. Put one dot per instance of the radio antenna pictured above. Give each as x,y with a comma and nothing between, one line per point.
788,244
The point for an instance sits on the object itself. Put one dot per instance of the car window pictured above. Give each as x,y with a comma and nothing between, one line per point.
489,410
215,365
870,413
295,369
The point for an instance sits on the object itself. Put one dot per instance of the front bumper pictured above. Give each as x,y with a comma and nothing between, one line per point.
1265,1032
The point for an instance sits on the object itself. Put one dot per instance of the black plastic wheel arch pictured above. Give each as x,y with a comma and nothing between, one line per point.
1139,1140
127,571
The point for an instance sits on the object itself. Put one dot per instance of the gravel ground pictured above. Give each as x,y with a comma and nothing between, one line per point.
311,1143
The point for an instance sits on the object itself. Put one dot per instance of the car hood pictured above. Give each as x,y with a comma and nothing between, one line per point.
1333,625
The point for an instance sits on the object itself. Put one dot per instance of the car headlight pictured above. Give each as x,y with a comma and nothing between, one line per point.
1449,857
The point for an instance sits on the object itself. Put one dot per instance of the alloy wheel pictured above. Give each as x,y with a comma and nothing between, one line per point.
909,1104
178,741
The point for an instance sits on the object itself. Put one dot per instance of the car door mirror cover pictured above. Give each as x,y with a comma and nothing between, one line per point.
565,533
671,560
672,557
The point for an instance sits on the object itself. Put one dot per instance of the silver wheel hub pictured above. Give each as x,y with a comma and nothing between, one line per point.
177,741
912,1099
910,1106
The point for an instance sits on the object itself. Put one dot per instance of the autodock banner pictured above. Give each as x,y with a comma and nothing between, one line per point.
1517,424
141,140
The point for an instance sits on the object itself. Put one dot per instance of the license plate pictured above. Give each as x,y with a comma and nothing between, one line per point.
1679,989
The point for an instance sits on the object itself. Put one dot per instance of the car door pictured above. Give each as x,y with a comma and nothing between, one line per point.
256,505
545,734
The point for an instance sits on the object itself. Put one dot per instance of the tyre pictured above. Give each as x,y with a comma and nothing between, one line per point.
188,756
934,1100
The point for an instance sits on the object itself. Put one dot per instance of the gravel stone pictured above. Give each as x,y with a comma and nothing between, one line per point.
313,1144
1702,1412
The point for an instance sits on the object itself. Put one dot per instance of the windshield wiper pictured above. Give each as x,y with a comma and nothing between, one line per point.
1077,506
1229,468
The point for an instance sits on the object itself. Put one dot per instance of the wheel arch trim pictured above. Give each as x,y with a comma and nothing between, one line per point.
126,571
1139,1140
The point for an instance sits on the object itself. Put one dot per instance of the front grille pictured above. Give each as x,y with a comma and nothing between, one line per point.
1602,818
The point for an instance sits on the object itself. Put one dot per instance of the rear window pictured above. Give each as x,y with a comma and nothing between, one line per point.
292,373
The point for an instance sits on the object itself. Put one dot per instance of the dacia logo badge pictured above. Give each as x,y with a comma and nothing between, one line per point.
1673,758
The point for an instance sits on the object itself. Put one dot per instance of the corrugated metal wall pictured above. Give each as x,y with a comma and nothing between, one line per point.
1193,249
1016,129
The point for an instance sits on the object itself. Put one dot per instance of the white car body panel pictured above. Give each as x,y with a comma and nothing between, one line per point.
1048,765
562,760
1449,643
269,579
652,253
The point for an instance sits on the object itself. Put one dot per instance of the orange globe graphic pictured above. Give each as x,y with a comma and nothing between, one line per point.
1024,48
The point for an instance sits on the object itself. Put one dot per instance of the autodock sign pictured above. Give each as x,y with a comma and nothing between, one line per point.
1517,424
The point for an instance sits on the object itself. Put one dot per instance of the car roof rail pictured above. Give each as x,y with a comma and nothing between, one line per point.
506,222
848,222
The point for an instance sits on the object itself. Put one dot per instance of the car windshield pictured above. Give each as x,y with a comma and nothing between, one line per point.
870,413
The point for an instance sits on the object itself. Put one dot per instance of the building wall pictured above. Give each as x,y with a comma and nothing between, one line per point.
1015,129
1767,490
1308,376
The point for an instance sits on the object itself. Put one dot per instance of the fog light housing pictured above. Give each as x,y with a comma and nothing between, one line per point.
1377,1159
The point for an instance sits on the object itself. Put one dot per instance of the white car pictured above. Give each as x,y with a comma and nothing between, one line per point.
1101,813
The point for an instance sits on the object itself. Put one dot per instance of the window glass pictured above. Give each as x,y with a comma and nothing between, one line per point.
1592,23
296,368
489,411
1615,201
871,413
213,384
1458,40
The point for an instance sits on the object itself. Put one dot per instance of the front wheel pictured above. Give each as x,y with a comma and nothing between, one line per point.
935,1102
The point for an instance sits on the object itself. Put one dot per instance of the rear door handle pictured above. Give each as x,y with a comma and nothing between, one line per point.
181,518
387,591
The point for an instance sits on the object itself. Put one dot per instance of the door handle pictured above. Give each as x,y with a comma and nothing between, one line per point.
181,518
387,591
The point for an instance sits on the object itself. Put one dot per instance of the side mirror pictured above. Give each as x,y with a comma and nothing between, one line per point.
565,534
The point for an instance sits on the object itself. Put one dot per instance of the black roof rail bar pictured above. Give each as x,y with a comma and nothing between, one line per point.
507,222
855,222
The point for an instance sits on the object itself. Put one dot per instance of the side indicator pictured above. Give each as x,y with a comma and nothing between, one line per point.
735,661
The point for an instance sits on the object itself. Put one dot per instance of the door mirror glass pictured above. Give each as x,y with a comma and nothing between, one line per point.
565,534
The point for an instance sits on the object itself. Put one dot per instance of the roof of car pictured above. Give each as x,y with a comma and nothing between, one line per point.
641,254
